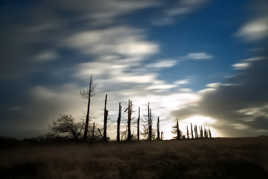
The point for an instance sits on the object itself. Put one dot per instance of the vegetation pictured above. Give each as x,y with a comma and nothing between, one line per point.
206,159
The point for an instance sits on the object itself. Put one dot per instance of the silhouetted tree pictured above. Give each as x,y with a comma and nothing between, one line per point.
162,134
205,133
158,129
88,94
64,126
149,123
93,130
118,123
138,126
105,120
187,132
192,131
129,116
201,132
196,132
177,131
209,133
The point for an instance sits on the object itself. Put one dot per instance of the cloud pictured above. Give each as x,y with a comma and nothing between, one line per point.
244,64
122,40
46,26
239,105
178,9
213,85
162,64
182,82
46,56
255,30
199,56
240,66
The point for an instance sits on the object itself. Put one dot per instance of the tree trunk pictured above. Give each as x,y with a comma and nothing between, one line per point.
105,120
178,130
129,120
88,107
192,132
149,123
138,126
118,123
187,130
158,129
93,130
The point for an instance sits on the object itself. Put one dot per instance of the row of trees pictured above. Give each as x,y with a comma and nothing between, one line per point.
65,125
195,132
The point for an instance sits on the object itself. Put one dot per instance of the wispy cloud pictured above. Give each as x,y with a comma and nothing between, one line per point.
179,9
198,56
182,82
125,41
244,64
166,63
46,56
254,30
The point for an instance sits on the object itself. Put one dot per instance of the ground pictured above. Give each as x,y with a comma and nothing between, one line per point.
216,158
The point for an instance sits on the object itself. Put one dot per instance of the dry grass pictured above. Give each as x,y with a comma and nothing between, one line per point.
218,158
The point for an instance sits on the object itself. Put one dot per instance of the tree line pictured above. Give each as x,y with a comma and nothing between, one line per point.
65,125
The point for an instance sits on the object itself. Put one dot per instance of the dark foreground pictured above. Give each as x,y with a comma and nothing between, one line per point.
217,158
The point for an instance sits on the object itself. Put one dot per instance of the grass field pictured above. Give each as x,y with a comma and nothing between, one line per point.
217,158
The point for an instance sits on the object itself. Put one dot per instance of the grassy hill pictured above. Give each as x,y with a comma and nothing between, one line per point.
218,158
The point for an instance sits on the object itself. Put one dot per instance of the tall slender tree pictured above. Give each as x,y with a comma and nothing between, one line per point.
201,132
118,123
177,131
93,129
158,129
192,131
138,125
88,94
205,133
187,132
209,133
129,116
105,120
149,123
196,131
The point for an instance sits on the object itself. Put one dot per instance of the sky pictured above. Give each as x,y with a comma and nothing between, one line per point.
200,61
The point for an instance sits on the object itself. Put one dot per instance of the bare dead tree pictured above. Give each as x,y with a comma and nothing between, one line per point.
192,131
205,133
93,129
89,94
196,132
187,132
201,132
129,136
177,131
209,133
149,123
158,129
105,120
138,126
118,123
129,117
